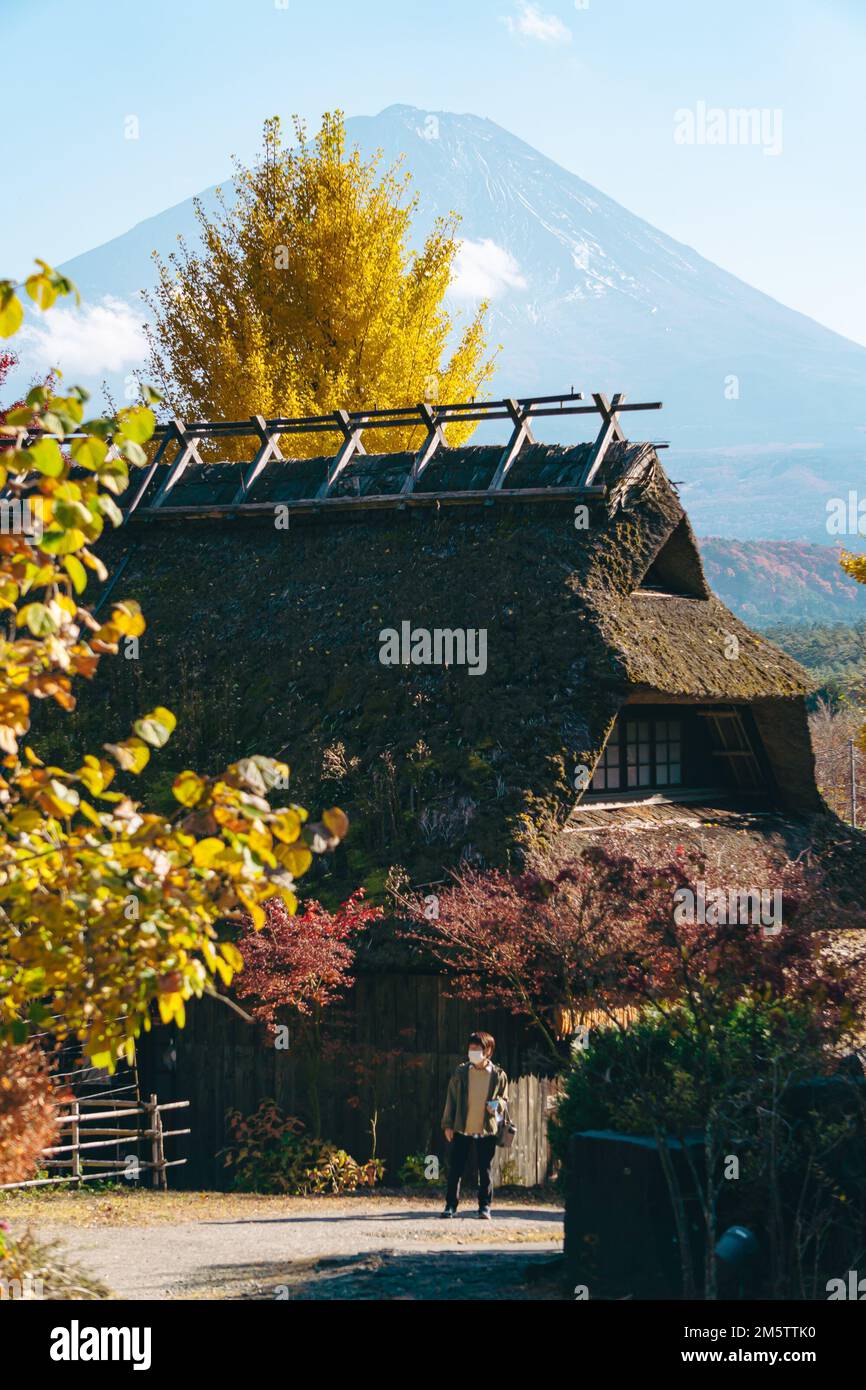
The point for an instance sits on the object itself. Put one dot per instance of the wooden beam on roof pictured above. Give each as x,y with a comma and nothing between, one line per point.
435,437
188,450
269,448
351,445
520,435
371,502
610,431
169,437
520,412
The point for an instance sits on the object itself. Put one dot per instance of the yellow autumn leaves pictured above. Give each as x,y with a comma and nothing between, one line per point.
105,908
307,298
43,286
854,563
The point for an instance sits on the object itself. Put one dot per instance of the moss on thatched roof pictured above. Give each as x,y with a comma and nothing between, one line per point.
264,639
677,646
367,475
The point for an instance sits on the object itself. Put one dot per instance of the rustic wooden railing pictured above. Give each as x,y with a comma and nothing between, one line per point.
78,1136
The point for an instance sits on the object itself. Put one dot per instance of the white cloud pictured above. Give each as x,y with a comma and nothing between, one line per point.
83,342
483,270
533,23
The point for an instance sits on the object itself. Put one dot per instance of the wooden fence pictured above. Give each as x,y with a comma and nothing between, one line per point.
402,1040
83,1131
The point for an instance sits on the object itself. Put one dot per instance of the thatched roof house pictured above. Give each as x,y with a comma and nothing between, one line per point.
449,660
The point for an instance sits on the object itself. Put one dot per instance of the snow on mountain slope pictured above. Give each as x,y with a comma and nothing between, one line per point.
765,409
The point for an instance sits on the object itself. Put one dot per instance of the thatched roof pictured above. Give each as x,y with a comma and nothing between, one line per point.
730,837
378,475
267,639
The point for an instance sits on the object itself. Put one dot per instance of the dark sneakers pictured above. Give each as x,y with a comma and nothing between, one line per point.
447,1213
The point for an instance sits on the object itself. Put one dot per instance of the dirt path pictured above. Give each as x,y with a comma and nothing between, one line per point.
198,1246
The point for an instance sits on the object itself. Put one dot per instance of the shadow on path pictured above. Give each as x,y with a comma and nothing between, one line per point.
534,1214
479,1275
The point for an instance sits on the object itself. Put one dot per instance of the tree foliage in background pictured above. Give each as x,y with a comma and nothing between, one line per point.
834,653
306,297
104,907
599,936
854,564
833,728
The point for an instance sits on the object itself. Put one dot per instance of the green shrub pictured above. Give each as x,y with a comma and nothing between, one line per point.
734,1078
271,1152
668,1070
413,1172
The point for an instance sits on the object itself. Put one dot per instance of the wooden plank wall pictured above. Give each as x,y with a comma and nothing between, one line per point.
218,1062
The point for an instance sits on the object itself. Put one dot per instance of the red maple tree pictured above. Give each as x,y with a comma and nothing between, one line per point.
599,936
8,360
296,968
300,963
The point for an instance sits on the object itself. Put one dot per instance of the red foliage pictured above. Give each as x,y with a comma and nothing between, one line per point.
28,1117
300,962
8,360
601,934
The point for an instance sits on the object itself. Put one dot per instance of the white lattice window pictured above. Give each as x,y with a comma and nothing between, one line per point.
668,752
641,754
607,773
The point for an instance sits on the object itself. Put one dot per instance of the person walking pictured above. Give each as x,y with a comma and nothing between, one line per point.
476,1101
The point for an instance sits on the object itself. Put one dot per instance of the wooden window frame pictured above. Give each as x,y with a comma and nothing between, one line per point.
709,737
627,749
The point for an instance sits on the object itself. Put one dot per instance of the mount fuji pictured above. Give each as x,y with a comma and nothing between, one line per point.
765,409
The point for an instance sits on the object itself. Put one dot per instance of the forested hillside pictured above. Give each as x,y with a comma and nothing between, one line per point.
782,581
833,652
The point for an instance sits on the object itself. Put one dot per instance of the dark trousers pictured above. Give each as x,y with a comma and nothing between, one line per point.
461,1146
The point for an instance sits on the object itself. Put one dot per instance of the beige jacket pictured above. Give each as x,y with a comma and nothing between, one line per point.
457,1099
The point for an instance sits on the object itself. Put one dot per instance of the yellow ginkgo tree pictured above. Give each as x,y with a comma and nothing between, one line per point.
307,296
106,908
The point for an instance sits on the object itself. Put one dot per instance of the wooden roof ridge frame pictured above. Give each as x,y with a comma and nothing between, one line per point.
175,432
610,432
520,435
352,424
375,501
268,449
435,437
350,446
187,450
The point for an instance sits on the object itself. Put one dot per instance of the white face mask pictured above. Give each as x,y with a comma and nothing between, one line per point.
475,1057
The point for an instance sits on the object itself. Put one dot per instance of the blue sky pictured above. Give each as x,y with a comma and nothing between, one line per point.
595,86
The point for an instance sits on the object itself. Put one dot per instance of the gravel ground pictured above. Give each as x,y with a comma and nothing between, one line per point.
201,1245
